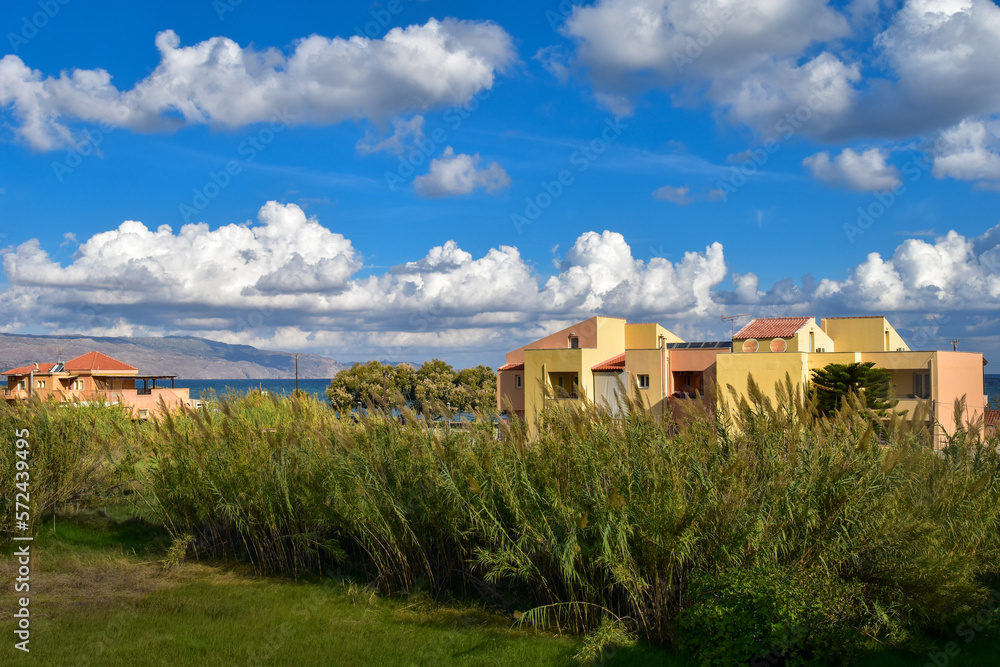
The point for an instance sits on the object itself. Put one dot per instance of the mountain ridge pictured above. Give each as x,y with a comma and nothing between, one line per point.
187,357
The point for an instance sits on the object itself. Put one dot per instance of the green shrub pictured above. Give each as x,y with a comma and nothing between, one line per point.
768,616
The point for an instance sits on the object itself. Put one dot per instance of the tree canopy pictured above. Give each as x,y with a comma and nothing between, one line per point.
834,382
467,390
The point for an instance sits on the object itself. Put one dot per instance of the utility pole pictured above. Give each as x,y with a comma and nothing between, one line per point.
296,372
954,344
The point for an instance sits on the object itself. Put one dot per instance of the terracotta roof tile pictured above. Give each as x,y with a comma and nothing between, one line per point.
992,417
616,363
772,327
511,367
95,361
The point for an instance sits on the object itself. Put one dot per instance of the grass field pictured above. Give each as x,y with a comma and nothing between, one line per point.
101,596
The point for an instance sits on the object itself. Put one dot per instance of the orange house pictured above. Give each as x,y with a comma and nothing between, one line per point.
95,377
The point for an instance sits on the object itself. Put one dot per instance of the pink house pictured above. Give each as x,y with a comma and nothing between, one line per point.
95,377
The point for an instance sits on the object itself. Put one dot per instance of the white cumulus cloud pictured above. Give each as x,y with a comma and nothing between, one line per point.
969,151
867,171
948,274
286,253
816,68
943,54
745,56
288,281
218,82
454,174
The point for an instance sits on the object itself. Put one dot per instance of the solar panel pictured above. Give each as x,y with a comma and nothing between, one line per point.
700,345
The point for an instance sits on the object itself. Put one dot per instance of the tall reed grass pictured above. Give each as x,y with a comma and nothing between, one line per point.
76,455
638,520
806,535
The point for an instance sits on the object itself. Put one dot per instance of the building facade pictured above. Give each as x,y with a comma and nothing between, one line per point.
594,358
770,348
95,377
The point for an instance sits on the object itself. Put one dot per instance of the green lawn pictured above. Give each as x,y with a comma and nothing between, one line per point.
100,596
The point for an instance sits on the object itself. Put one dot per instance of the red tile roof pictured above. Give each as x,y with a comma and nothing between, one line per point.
854,317
25,370
95,361
992,417
616,363
511,367
772,327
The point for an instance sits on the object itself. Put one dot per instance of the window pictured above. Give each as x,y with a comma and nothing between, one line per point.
20,385
41,384
561,386
78,385
643,381
143,414
517,381
922,385
574,342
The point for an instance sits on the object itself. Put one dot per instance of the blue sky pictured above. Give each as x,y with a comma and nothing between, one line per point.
413,179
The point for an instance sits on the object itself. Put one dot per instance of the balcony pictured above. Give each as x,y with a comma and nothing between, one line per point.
685,394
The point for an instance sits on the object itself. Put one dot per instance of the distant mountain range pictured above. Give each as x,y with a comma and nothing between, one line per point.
183,356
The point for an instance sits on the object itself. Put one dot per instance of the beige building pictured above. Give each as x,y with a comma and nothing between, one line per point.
590,359
95,377
770,348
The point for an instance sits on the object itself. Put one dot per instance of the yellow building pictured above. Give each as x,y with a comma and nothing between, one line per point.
590,358
770,348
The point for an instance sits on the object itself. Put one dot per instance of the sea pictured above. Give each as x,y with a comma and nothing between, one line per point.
281,386
317,388
993,388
